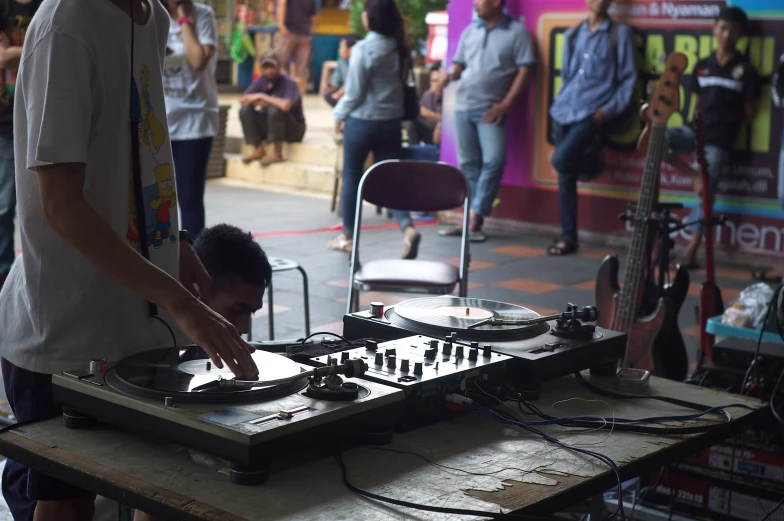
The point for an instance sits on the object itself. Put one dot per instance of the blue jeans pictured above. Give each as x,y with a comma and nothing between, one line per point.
191,159
7,205
682,140
360,137
481,152
569,160
30,397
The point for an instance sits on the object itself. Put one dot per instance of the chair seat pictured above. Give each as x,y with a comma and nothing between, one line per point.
394,272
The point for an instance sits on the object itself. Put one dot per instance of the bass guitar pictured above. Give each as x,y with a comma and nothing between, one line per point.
621,309
711,303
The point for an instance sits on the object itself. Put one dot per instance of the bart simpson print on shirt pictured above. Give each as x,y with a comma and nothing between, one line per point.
159,198
152,131
165,201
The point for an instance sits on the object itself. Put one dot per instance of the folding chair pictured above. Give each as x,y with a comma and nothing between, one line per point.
423,186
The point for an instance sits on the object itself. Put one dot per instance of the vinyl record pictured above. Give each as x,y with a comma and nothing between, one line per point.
440,316
176,373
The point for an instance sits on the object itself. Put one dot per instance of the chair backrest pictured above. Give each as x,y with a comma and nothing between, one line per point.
414,186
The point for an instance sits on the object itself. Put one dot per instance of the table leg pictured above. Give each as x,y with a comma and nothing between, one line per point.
306,293
270,311
596,510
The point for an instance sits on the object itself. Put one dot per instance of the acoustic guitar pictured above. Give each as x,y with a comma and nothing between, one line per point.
711,303
621,309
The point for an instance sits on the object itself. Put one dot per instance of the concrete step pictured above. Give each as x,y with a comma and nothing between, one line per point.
308,152
289,174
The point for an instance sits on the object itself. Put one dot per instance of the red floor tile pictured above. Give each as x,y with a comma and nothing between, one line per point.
475,264
536,287
264,311
588,285
692,331
339,283
595,253
520,251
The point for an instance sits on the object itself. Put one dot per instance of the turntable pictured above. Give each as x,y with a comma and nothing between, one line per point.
178,394
541,348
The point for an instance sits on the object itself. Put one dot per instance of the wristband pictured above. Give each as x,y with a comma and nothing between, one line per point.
186,237
185,20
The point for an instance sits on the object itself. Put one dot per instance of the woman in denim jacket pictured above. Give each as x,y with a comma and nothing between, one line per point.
370,113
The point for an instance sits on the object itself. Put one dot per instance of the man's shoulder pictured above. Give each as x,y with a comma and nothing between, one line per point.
202,10
518,29
288,82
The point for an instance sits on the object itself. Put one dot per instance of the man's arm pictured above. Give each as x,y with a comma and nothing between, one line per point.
282,104
200,47
355,86
625,77
281,18
9,55
777,83
427,113
525,58
61,189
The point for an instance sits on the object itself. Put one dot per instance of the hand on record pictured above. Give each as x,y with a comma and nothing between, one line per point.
216,336
193,275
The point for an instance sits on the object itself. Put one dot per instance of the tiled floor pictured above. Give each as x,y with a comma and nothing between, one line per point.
507,268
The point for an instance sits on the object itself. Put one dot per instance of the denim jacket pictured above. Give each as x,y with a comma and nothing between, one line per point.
374,88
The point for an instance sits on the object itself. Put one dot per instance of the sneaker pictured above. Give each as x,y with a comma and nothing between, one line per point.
411,239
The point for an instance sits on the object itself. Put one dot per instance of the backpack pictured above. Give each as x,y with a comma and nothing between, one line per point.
623,121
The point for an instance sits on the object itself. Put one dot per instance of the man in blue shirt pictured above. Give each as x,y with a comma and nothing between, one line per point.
493,62
337,82
598,76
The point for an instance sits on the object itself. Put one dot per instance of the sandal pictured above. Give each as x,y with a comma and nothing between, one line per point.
341,243
451,232
477,236
562,247
411,239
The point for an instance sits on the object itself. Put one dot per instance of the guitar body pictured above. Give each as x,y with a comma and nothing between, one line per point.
671,359
640,348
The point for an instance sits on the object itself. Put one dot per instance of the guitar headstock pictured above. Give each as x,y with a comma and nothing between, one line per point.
699,125
666,100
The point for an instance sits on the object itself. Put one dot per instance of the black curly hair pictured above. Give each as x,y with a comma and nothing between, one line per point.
228,252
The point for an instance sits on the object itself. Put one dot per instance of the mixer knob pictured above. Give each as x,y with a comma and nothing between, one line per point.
417,367
343,356
459,351
376,309
486,351
391,362
434,343
379,358
371,345
474,345
391,352
430,353
473,354
447,348
404,365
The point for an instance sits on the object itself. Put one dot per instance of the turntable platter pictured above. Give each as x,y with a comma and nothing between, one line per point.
439,316
177,373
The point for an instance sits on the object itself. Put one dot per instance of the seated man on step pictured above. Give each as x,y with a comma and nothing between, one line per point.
271,112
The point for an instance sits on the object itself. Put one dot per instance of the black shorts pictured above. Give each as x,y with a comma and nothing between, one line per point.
30,397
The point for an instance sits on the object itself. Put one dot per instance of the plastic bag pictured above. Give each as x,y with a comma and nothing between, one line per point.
749,307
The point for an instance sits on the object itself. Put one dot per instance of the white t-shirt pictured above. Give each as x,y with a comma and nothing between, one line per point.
57,310
191,96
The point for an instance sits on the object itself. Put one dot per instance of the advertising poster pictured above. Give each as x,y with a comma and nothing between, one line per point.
747,193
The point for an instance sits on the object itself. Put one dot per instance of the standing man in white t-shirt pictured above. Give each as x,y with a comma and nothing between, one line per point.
191,102
81,288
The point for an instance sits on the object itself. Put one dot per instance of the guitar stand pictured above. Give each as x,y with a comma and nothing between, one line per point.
664,224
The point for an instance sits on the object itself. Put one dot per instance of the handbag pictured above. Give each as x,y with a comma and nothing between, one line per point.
410,94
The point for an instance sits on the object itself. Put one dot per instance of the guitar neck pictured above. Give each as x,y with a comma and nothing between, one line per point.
626,311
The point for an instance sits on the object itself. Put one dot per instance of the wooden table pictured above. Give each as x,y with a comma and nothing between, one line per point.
164,479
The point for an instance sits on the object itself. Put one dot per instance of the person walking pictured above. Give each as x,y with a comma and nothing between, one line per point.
191,93
370,113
